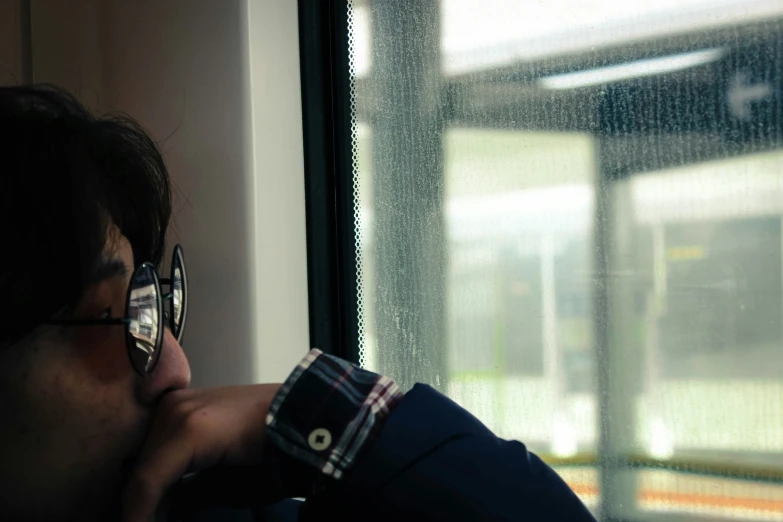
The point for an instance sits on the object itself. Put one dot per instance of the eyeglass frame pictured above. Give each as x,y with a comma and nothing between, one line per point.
130,340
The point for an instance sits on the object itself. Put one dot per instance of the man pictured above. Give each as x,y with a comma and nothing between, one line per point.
98,421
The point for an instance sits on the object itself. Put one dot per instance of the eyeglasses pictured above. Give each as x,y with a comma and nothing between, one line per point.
145,317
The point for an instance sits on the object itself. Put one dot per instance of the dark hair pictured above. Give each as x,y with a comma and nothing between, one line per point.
65,177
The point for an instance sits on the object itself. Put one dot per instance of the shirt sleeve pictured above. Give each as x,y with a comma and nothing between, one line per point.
323,417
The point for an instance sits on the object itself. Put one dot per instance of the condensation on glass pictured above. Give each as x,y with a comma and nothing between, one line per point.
569,217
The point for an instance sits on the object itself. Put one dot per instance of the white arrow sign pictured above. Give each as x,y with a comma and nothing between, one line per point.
741,94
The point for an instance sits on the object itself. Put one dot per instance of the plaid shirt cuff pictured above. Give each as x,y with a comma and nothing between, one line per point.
328,411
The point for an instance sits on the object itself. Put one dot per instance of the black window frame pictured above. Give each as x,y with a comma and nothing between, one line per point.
328,166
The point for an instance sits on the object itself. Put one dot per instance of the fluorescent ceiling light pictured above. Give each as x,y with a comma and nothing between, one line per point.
488,34
625,71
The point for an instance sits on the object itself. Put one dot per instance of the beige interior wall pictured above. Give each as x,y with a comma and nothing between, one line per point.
11,58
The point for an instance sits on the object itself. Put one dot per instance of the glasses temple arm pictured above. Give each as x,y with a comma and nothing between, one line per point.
87,322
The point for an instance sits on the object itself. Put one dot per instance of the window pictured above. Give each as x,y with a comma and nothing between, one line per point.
567,217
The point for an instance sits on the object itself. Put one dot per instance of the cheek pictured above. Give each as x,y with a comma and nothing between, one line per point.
102,354
66,436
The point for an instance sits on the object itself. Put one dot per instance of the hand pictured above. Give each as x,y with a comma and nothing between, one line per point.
194,430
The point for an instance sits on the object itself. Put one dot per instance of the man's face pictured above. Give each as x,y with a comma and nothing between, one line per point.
74,413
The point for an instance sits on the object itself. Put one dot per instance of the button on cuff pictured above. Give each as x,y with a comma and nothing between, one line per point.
319,439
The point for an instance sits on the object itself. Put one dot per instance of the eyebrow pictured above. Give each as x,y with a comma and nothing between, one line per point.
108,269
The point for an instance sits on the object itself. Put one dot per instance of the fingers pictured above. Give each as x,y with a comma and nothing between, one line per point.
180,442
153,477
193,431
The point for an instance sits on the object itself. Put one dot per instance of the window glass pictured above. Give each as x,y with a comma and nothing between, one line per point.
569,217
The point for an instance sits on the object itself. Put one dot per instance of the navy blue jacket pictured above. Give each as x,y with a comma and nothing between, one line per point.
433,461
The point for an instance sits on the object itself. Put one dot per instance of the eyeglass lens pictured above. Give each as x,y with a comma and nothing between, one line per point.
178,294
145,310
144,313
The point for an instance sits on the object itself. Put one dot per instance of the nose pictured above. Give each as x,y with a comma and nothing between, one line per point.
171,373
